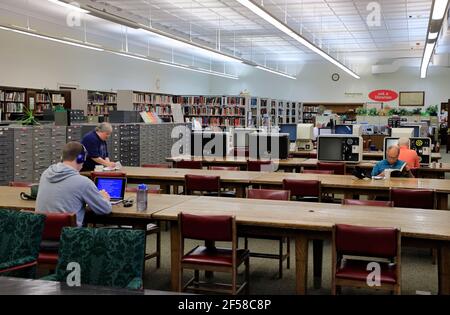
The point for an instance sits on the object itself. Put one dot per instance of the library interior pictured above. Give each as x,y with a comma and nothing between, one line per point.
242,147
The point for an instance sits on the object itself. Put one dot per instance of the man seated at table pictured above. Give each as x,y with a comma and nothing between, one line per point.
391,162
408,155
63,189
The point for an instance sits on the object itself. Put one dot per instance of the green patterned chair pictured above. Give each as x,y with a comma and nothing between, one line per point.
20,238
107,257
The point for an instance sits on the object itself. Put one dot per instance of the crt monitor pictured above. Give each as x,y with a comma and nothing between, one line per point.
291,129
402,132
340,148
343,129
305,132
114,186
416,129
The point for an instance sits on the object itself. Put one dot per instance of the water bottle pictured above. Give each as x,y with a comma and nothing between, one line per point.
141,197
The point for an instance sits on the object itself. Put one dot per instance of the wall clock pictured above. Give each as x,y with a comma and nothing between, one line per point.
335,77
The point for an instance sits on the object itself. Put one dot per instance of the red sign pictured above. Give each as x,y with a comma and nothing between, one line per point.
383,95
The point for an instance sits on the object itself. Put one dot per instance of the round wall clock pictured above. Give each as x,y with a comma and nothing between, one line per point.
335,77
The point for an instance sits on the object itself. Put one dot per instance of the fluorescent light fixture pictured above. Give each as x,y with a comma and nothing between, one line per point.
50,38
190,45
288,31
276,72
426,59
432,36
439,8
69,6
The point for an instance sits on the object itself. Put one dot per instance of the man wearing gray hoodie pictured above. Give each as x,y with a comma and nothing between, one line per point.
62,188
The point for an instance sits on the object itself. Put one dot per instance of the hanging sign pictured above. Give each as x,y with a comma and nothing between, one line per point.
383,95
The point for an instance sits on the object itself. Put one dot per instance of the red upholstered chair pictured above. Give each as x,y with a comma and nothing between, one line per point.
323,172
211,229
189,164
372,203
259,166
337,167
413,198
202,184
54,223
270,195
224,168
303,190
156,165
379,244
20,184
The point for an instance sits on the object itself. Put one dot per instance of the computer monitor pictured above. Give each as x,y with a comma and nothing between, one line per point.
114,186
325,131
415,127
389,142
402,132
305,132
343,129
340,148
291,129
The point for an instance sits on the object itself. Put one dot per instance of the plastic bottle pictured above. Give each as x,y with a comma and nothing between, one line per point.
141,197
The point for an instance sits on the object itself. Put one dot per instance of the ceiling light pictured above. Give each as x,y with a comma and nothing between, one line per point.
288,31
69,6
426,59
50,38
276,72
439,8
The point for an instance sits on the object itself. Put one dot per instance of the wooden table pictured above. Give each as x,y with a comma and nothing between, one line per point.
423,172
367,155
311,221
175,176
287,164
350,185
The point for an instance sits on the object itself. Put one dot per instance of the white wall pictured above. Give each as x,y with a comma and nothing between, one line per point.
37,63
314,84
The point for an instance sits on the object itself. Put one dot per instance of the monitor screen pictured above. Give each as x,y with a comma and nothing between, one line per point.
388,142
343,129
416,130
325,131
330,149
291,129
114,186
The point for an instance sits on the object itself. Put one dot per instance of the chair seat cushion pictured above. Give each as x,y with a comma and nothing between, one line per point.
356,270
49,246
202,255
48,258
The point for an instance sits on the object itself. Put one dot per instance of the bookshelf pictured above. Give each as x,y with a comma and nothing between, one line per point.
93,103
156,103
311,110
42,100
215,111
12,100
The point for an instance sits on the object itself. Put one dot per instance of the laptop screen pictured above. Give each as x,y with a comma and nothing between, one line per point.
114,186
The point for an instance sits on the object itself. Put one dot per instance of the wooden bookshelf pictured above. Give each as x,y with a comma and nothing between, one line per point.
311,110
47,100
12,100
94,103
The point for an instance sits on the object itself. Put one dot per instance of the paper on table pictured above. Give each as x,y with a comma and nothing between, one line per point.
118,167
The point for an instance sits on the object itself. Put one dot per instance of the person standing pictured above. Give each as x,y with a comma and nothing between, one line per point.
97,149
407,155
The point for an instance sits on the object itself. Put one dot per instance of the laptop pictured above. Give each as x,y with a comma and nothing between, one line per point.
114,186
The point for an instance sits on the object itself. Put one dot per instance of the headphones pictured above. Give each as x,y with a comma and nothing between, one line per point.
81,158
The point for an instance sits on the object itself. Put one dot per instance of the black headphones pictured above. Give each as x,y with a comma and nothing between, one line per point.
81,158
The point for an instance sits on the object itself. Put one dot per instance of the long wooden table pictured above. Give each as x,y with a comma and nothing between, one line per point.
367,155
301,221
241,162
422,172
310,221
350,185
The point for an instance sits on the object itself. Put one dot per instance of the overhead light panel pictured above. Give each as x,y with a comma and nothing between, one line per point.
69,6
50,38
432,36
429,48
276,72
288,31
439,9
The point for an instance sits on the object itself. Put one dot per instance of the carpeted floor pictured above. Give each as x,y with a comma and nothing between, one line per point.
419,276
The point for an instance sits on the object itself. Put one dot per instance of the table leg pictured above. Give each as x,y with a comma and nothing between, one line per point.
240,191
175,256
444,269
301,263
442,201
317,263
165,189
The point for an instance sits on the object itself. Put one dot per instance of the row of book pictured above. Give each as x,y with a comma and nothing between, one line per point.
220,111
103,98
95,110
159,110
219,121
12,96
211,100
44,98
14,107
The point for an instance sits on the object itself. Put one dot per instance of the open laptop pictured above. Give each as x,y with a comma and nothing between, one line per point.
114,186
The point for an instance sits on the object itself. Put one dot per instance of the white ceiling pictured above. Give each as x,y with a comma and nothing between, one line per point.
336,25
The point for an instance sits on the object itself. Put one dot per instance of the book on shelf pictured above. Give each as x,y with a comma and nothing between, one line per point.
150,118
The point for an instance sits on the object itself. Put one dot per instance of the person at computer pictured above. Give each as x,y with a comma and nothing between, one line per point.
407,155
95,144
62,189
391,162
